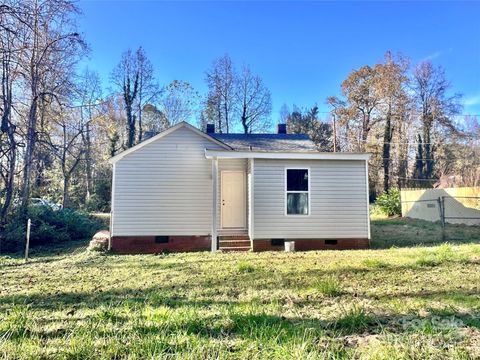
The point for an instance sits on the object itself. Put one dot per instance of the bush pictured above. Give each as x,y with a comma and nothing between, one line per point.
389,203
96,204
48,227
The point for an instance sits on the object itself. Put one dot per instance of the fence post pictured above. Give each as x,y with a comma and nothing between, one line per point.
27,245
441,208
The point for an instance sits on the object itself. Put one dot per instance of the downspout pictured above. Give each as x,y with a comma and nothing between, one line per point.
214,203
368,199
112,206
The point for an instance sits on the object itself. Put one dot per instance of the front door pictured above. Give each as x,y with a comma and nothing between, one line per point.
233,199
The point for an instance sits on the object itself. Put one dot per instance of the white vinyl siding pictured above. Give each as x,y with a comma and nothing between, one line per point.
164,188
338,199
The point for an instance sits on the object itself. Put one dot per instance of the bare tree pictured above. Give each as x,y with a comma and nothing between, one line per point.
362,101
148,89
179,102
90,93
133,76
51,48
154,119
126,76
221,92
65,142
308,122
9,69
253,100
436,108
391,87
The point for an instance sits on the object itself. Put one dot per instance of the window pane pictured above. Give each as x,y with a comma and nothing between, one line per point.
297,203
297,180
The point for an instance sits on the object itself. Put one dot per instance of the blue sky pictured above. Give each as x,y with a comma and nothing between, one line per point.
303,50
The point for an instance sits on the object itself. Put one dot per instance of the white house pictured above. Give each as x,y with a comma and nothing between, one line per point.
186,190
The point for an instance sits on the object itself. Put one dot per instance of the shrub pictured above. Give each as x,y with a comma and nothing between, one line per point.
389,203
48,227
96,203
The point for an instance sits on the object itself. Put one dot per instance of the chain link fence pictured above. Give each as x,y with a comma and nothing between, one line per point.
443,206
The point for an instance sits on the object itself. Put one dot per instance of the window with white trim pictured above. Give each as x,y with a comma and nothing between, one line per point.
297,191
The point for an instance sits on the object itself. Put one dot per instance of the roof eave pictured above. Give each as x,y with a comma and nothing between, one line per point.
209,154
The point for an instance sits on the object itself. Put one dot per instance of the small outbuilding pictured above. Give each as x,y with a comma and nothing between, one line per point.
188,190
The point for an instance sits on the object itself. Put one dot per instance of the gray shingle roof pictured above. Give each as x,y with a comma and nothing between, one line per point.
261,142
268,142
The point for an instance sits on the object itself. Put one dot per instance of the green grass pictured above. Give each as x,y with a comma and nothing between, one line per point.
328,286
402,232
394,303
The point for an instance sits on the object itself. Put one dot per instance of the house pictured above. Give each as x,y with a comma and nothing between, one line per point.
188,190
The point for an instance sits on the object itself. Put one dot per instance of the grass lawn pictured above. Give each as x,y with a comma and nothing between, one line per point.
385,303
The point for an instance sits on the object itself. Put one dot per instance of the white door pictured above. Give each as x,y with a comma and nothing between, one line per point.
233,199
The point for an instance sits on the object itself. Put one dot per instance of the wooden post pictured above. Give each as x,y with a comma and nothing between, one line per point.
441,208
27,245
443,211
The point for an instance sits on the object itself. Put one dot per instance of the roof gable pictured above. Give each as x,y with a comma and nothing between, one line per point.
162,134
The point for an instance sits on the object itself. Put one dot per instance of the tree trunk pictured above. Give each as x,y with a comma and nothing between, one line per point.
66,183
10,181
225,108
427,152
8,128
387,138
30,147
130,126
365,131
244,120
140,125
419,162
402,156
88,161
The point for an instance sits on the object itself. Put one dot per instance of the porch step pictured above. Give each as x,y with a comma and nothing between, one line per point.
235,248
232,233
233,237
234,243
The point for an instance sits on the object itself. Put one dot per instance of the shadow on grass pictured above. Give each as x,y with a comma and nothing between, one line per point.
45,253
229,320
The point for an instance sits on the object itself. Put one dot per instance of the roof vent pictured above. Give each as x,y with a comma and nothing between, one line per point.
210,128
281,128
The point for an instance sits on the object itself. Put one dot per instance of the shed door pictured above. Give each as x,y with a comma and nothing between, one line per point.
233,199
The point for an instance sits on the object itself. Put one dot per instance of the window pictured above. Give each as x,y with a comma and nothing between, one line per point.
297,191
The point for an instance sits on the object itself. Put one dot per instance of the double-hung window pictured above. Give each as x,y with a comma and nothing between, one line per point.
297,187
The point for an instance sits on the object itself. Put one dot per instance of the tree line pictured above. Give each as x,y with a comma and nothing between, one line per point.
59,125
410,120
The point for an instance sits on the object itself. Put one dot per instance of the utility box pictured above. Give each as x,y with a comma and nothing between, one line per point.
289,246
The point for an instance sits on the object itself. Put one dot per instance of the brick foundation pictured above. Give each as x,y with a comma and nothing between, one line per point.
148,245
313,244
